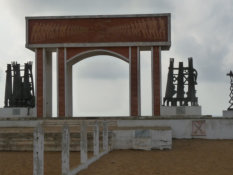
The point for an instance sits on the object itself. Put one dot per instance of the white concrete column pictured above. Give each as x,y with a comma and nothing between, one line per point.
139,80
96,139
65,150
38,151
83,142
47,86
105,136
69,92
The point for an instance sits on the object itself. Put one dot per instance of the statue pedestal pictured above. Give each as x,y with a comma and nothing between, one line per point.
228,114
16,112
180,110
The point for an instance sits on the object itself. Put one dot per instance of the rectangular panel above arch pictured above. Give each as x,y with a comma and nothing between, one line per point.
99,31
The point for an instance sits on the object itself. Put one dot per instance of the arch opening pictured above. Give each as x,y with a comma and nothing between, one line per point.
100,86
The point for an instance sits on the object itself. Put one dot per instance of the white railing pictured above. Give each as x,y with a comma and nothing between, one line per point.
38,151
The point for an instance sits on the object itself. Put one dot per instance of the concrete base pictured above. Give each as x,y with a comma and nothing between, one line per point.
17,112
142,138
228,114
180,110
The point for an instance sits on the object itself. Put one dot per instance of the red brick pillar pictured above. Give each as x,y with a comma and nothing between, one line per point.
134,82
156,81
39,82
61,82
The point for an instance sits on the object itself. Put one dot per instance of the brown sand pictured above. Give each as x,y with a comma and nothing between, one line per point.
187,157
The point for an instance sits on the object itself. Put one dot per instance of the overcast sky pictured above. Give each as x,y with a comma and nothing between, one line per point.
200,29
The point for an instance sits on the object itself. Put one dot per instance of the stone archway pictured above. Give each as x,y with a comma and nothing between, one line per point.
77,37
77,58
100,87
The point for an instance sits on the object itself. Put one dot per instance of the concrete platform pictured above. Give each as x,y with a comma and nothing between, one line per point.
228,114
17,112
180,110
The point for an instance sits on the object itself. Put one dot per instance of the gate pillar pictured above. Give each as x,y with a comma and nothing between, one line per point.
61,63
39,82
156,80
43,83
135,82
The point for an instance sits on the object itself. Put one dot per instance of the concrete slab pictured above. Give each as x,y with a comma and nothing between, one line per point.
180,110
17,112
228,114
142,138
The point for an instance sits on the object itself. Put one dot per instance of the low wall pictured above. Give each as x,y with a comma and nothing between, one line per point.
16,134
187,128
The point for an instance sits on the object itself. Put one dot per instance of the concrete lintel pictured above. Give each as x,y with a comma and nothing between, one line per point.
164,45
99,16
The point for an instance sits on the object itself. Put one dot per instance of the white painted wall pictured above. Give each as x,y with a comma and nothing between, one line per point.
215,128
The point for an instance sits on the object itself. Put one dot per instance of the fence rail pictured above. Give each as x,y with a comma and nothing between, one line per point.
39,139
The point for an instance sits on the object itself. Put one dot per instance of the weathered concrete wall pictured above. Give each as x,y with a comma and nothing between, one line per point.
219,128
14,131
145,138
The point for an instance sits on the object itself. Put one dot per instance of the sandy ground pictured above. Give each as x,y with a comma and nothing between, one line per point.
188,157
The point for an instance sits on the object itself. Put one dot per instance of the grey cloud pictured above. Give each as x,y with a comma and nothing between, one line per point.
206,42
207,60
61,7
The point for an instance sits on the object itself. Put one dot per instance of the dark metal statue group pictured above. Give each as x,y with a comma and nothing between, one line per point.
19,90
181,83
180,90
230,74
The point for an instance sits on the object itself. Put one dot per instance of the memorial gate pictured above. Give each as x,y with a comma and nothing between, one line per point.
75,38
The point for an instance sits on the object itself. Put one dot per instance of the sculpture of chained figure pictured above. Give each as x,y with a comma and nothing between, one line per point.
231,91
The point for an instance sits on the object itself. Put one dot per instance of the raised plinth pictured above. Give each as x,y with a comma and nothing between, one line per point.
228,114
17,112
180,110
142,138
